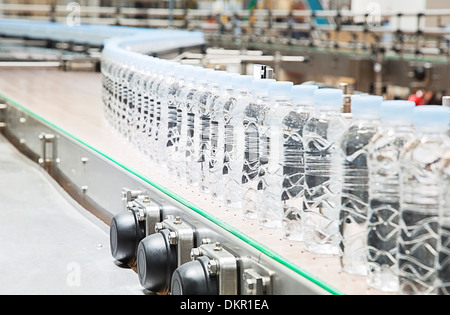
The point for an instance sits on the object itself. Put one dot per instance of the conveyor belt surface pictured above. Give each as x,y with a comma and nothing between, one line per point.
72,101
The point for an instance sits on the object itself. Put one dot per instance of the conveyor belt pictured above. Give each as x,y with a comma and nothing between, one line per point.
72,101
50,245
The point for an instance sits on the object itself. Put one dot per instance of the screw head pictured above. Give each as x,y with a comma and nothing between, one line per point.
173,238
213,267
159,226
217,247
195,253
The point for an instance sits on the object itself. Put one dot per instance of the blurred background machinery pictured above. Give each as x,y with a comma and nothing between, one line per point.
380,47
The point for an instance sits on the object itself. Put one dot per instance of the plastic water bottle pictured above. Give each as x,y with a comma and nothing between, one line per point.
155,109
421,183
234,140
224,95
139,85
204,128
384,193
183,108
272,199
355,183
191,149
125,104
250,174
166,95
173,94
294,163
444,233
323,169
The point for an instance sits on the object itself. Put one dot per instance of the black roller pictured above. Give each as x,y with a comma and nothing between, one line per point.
156,261
193,278
124,235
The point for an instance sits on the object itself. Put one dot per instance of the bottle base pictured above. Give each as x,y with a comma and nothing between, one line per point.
323,249
355,270
384,281
295,237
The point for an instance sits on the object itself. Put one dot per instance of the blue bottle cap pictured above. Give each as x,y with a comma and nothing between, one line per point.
328,99
242,82
261,86
366,106
280,89
304,94
397,111
433,117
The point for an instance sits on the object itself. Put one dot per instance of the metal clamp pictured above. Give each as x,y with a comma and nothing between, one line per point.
48,149
181,235
3,108
256,279
222,263
147,210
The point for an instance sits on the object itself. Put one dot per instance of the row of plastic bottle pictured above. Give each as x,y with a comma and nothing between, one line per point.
372,191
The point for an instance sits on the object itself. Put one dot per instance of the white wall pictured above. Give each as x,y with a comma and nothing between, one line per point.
393,6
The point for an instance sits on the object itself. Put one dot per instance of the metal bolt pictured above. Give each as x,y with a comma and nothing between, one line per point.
213,267
146,199
217,247
250,284
195,253
84,188
141,214
206,241
173,238
159,226
84,160
177,220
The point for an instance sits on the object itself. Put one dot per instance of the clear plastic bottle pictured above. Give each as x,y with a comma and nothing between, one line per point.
294,163
217,105
125,75
179,132
137,100
384,193
183,109
107,65
323,169
165,98
116,73
195,125
233,112
250,174
173,95
129,100
355,183
444,233
271,201
421,184
155,109
144,115
204,128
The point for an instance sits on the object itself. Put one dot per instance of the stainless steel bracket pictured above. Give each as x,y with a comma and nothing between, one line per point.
256,279
222,263
3,108
48,149
181,235
147,209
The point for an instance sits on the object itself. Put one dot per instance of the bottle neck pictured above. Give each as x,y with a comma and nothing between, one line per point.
329,111
431,131
370,120
303,107
243,93
281,101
